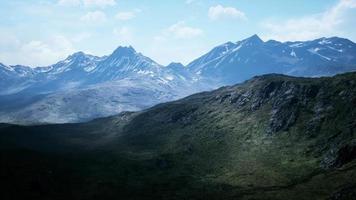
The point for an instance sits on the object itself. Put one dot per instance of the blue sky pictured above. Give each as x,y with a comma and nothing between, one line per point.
41,32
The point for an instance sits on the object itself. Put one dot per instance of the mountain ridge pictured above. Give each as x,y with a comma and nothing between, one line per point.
270,137
253,56
226,64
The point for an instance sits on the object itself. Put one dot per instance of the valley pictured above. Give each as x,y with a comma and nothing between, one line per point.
270,137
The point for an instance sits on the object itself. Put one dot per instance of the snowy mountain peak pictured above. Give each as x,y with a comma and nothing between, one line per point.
78,56
124,51
254,39
127,57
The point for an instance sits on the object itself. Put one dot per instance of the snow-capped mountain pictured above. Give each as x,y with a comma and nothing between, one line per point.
6,72
80,70
83,86
125,61
14,78
235,62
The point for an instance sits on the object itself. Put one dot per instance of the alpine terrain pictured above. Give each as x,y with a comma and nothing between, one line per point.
84,87
271,137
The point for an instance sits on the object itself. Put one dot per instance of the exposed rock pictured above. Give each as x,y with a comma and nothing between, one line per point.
283,115
241,99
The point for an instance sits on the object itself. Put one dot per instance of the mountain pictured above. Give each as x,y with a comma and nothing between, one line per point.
231,62
14,79
81,70
271,137
83,86
6,74
125,61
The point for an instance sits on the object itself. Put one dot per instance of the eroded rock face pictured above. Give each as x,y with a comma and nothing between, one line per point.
321,110
283,115
286,98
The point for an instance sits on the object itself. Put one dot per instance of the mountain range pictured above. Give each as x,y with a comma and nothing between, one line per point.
83,86
271,137
235,62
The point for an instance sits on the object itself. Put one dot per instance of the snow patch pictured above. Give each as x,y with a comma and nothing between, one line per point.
297,45
315,51
89,68
324,41
8,68
237,48
293,54
339,50
145,72
170,78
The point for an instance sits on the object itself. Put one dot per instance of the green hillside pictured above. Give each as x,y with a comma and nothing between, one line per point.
271,137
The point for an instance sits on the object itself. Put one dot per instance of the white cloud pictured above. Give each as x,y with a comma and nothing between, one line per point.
94,17
45,52
101,3
125,15
164,50
348,3
182,31
69,2
220,12
38,52
174,44
308,27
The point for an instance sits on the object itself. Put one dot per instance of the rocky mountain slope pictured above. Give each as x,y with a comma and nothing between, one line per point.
271,137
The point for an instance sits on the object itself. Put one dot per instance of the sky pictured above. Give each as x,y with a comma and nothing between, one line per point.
42,32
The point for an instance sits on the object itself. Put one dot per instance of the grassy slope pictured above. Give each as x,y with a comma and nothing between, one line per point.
272,137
